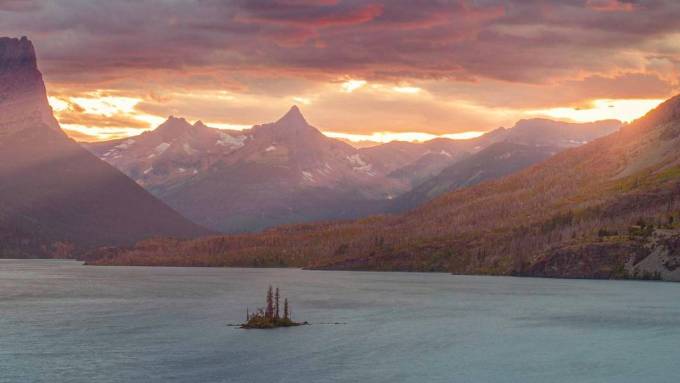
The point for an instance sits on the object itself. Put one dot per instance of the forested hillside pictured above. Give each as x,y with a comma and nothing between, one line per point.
599,210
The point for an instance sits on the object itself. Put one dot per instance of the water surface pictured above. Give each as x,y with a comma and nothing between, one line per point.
64,322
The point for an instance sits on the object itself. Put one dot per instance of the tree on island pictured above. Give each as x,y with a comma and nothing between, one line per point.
270,316
269,312
286,314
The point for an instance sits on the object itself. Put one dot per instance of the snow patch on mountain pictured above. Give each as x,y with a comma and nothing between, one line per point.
125,144
308,176
162,148
230,141
359,165
368,170
188,149
356,160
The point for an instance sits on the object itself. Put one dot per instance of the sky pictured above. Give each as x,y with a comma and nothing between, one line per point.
361,70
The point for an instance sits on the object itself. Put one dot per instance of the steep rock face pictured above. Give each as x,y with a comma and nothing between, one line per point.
23,99
54,195
660,256
655,255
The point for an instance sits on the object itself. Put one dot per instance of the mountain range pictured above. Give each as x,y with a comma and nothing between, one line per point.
606,209
56,197
542,198
282,172
289,172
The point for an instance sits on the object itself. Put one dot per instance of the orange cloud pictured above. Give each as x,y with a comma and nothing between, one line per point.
434,67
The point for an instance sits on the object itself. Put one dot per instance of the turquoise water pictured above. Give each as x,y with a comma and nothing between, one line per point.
63,322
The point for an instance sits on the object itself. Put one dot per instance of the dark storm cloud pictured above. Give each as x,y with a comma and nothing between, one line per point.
511,40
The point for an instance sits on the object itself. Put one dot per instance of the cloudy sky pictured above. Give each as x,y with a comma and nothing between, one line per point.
361,69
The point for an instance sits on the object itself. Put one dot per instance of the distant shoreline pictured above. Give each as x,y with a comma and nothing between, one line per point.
84,263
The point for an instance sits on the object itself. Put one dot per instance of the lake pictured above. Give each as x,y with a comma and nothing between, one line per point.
64,322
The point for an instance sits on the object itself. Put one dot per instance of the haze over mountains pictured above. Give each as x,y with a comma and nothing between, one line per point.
289,172
607,209
54,195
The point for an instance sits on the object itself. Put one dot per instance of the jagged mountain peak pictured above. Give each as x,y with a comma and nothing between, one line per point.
498,132
294,115
200,125
290,125
16,53
293,119
23,98
176,120
174,126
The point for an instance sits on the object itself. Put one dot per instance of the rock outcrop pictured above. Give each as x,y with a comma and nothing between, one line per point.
55,197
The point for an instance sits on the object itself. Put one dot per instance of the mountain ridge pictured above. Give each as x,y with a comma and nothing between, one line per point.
287,170
284,171
606,209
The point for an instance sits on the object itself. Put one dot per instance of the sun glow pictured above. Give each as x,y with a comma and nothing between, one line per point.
350,86
602,109
57,104
103,115
92,134
302,100
99,104
106,105
228,126
406,89
464,135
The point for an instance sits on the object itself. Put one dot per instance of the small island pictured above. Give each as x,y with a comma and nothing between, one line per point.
270,316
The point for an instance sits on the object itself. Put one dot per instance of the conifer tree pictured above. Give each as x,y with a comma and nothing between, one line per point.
269,312
285,309
276,304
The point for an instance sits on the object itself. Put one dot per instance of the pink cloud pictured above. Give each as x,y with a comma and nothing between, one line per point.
610,5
